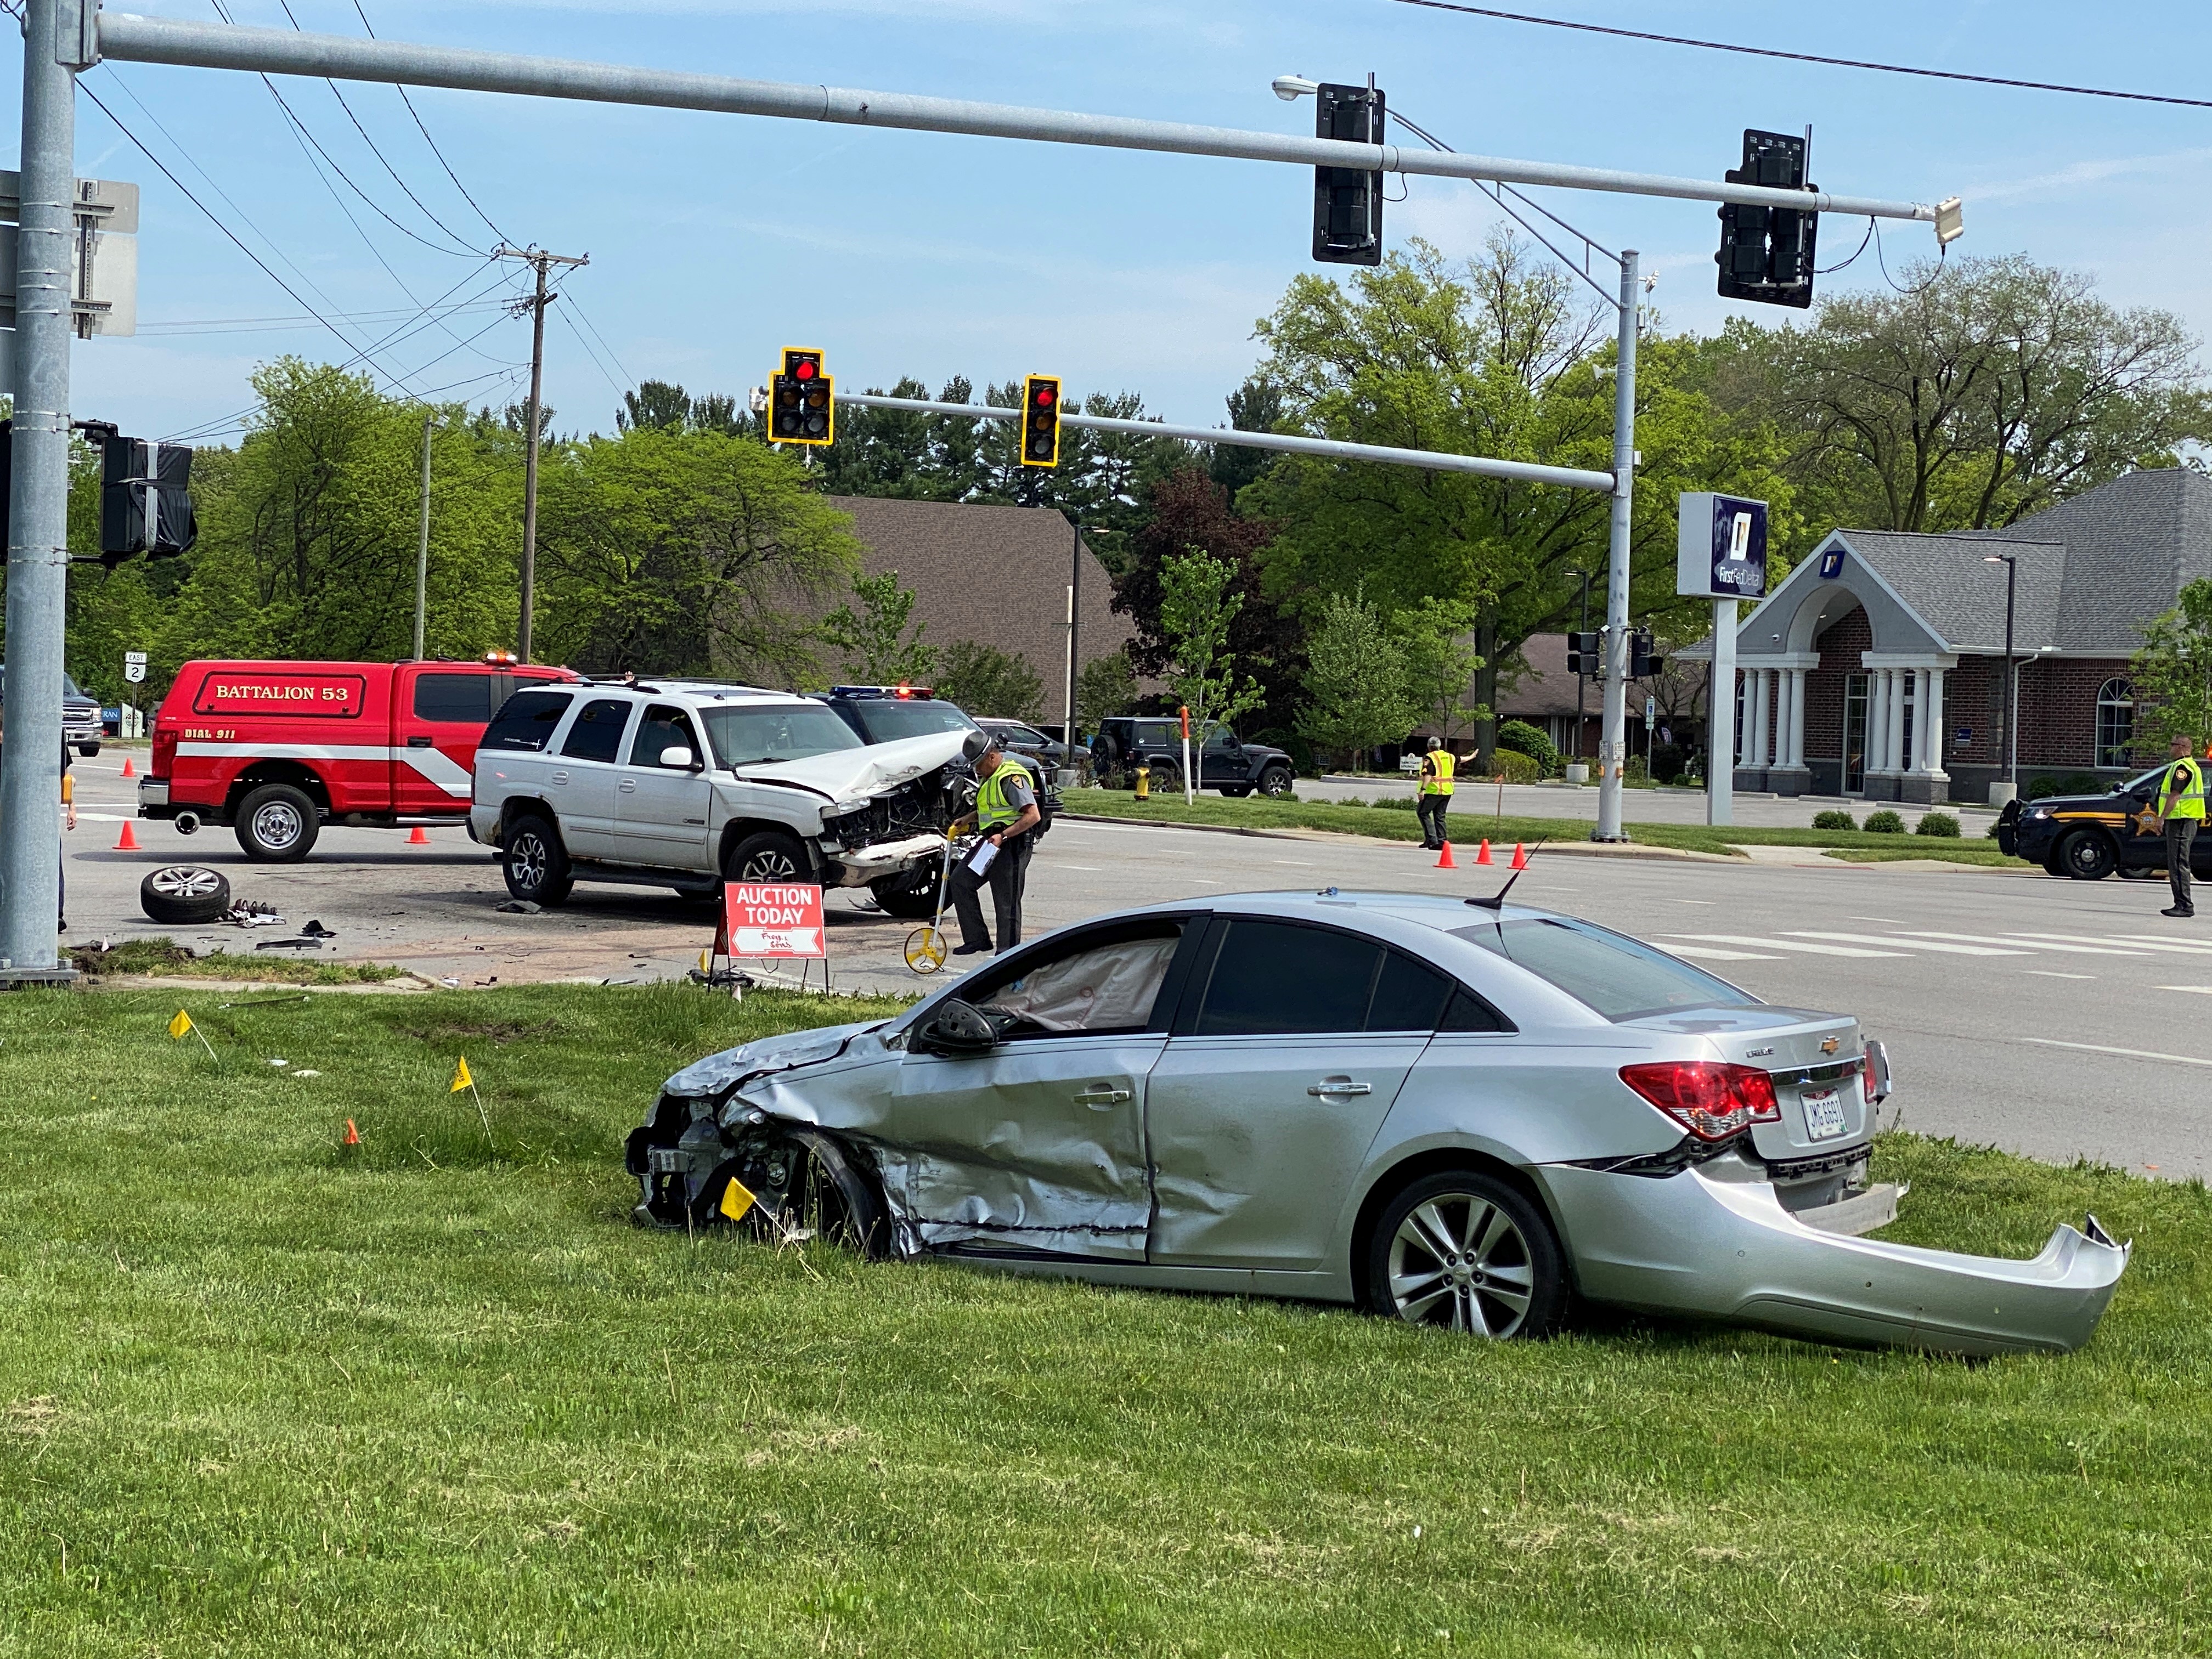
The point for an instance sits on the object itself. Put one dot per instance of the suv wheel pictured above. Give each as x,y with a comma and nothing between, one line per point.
767,855
1275,782
911,897
184,895
536,864
2087,855
277,824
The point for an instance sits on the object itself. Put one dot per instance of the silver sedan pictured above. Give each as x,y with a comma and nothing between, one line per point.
1456,1113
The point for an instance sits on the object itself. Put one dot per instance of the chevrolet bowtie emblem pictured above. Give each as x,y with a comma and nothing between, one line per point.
1829,1045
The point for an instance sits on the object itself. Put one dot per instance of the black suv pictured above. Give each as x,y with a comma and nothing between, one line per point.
1225,763
2090,836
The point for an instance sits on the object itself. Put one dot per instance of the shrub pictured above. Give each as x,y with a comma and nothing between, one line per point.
1885,822
1517,767
1524,738
1942,825
1397,803
2072,783
1991,832
1834,819
1668,761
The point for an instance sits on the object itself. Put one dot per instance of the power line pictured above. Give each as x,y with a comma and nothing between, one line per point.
433,142
1812,57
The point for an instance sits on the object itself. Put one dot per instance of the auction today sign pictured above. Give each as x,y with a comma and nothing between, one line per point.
773,918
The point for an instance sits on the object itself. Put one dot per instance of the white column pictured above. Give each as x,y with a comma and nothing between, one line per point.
1894,753
1877,721
1761,724
1782,717
1931,718
1797,717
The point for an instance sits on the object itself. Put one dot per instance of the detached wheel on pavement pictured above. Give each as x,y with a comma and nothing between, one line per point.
1467,1252
767,855
2087,855
277,824
536,864
184,895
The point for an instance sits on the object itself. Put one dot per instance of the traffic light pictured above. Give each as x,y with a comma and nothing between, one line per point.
802,401
1767,254
1041,421
1586,654
1348,201
1644,657
145,499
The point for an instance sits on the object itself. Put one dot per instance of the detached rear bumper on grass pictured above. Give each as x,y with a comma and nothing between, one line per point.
1697,1244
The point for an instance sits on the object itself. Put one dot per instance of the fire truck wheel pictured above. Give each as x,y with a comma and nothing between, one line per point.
278,824
184,895
767,855
536,864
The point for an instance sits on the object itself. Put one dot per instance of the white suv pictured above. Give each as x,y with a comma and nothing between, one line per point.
686,784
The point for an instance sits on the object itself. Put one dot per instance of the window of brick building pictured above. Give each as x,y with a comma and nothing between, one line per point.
2116,722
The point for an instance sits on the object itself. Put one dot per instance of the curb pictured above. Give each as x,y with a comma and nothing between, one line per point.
1573,849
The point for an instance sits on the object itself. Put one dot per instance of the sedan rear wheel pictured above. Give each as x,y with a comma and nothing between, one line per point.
1466,1251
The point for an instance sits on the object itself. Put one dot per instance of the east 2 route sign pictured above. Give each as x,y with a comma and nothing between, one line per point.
1721,550
773,918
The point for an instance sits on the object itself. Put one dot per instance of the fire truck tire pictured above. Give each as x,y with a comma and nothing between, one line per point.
184,896
277,824
537,864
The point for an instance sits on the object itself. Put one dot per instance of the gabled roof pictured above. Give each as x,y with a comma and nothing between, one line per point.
1961,599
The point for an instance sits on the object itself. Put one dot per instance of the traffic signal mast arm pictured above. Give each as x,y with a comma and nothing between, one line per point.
285,51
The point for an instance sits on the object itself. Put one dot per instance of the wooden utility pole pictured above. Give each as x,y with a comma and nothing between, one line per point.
539,261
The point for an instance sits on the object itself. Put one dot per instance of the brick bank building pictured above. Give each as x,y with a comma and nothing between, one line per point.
1877,668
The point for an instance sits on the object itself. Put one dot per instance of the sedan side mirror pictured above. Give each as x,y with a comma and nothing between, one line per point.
677,758
954,1030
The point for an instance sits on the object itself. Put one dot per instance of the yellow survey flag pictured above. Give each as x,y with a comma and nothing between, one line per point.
735,1200
461,1078
181,1026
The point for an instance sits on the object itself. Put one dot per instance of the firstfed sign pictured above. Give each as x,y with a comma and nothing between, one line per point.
1721,550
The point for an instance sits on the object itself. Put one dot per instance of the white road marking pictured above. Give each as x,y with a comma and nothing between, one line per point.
2037,944
2201,990
1707,903
2047,973
1704,952
1888,921
2131,944
1300,863
1088,869
1917,945
1790,945
2132,1053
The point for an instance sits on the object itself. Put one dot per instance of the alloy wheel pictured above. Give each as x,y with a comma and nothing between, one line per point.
768,865
526,861
1459,1261
185,881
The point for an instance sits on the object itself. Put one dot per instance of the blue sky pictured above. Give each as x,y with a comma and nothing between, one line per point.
715,240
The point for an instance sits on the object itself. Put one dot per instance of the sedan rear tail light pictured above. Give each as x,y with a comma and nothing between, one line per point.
1874,1075
1710,1098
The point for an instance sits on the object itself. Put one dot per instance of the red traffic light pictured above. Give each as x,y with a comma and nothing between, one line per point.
1044,397
803,369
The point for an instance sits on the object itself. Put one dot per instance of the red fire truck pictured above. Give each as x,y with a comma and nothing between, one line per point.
278,748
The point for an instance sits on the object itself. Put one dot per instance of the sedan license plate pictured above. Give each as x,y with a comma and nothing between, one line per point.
1824,1113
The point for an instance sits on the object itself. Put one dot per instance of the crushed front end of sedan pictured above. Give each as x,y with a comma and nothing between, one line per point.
1465,1122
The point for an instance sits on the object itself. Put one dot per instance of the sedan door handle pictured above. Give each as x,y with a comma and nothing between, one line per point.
1103,1099
1338,1088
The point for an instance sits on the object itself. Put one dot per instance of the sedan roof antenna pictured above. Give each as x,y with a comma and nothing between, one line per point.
1496,901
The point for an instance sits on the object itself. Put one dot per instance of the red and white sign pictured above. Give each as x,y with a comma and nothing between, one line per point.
772,918
315,697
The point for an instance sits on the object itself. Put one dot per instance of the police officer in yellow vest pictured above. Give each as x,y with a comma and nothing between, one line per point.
1005,812
2181,802
1436,794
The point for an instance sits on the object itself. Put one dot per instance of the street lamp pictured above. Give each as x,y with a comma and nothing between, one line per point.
1292,87
2011,744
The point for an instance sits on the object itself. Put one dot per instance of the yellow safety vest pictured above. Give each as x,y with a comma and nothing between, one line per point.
1436,772
2182,794
992,810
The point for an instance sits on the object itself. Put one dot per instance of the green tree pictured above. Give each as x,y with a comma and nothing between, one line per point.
985,680
1196,612
1439,663
1106,687
878,649
1355,680
2172,673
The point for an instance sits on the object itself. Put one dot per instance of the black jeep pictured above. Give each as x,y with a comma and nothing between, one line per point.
1126,742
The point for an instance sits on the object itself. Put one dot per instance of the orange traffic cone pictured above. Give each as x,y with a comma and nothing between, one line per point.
352,1135
418,836
128,841
1445,862
1520,856
127,772
1482,853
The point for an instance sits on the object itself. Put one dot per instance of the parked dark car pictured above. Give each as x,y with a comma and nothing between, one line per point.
2090,837
1018,738
1224,762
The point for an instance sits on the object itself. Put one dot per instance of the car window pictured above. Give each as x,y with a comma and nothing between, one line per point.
1102,985
1409,995
663,728
886,720
1469,1012
762,735
526,720
1159,732
464,697
1020,734
1275,978
1608,973
597,735
1220,737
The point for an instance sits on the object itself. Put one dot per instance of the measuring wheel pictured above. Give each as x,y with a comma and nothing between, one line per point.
925,949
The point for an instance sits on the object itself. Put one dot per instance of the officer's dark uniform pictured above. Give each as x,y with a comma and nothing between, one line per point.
1435,799
1001,801
2181,803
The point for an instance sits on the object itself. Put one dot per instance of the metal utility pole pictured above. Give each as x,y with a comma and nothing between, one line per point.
58,40
2009,748
1582,675
1074,597
539,261
423,543
1613,734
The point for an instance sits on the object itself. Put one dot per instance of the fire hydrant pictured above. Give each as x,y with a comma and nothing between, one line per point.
1143,783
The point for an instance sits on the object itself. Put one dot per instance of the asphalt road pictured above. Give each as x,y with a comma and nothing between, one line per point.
2059,1018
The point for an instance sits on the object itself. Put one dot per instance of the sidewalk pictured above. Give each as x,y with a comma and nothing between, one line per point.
1660,806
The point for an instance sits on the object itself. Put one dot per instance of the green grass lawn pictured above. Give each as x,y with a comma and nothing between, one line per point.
1470,821
165,958
259,1396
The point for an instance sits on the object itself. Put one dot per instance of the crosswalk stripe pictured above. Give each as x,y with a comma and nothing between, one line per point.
2202,990
2035,944
1940,948
1703,952
2169,946
2105,1048
1790,945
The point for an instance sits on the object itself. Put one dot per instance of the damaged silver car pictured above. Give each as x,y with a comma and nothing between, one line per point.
1463,1114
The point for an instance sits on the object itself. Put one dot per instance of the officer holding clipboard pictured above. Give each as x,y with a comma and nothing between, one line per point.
1005,812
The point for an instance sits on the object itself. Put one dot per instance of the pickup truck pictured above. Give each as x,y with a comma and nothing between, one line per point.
81,727
276,750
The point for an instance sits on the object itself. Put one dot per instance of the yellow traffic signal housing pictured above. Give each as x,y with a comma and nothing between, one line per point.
1041,421
802,400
